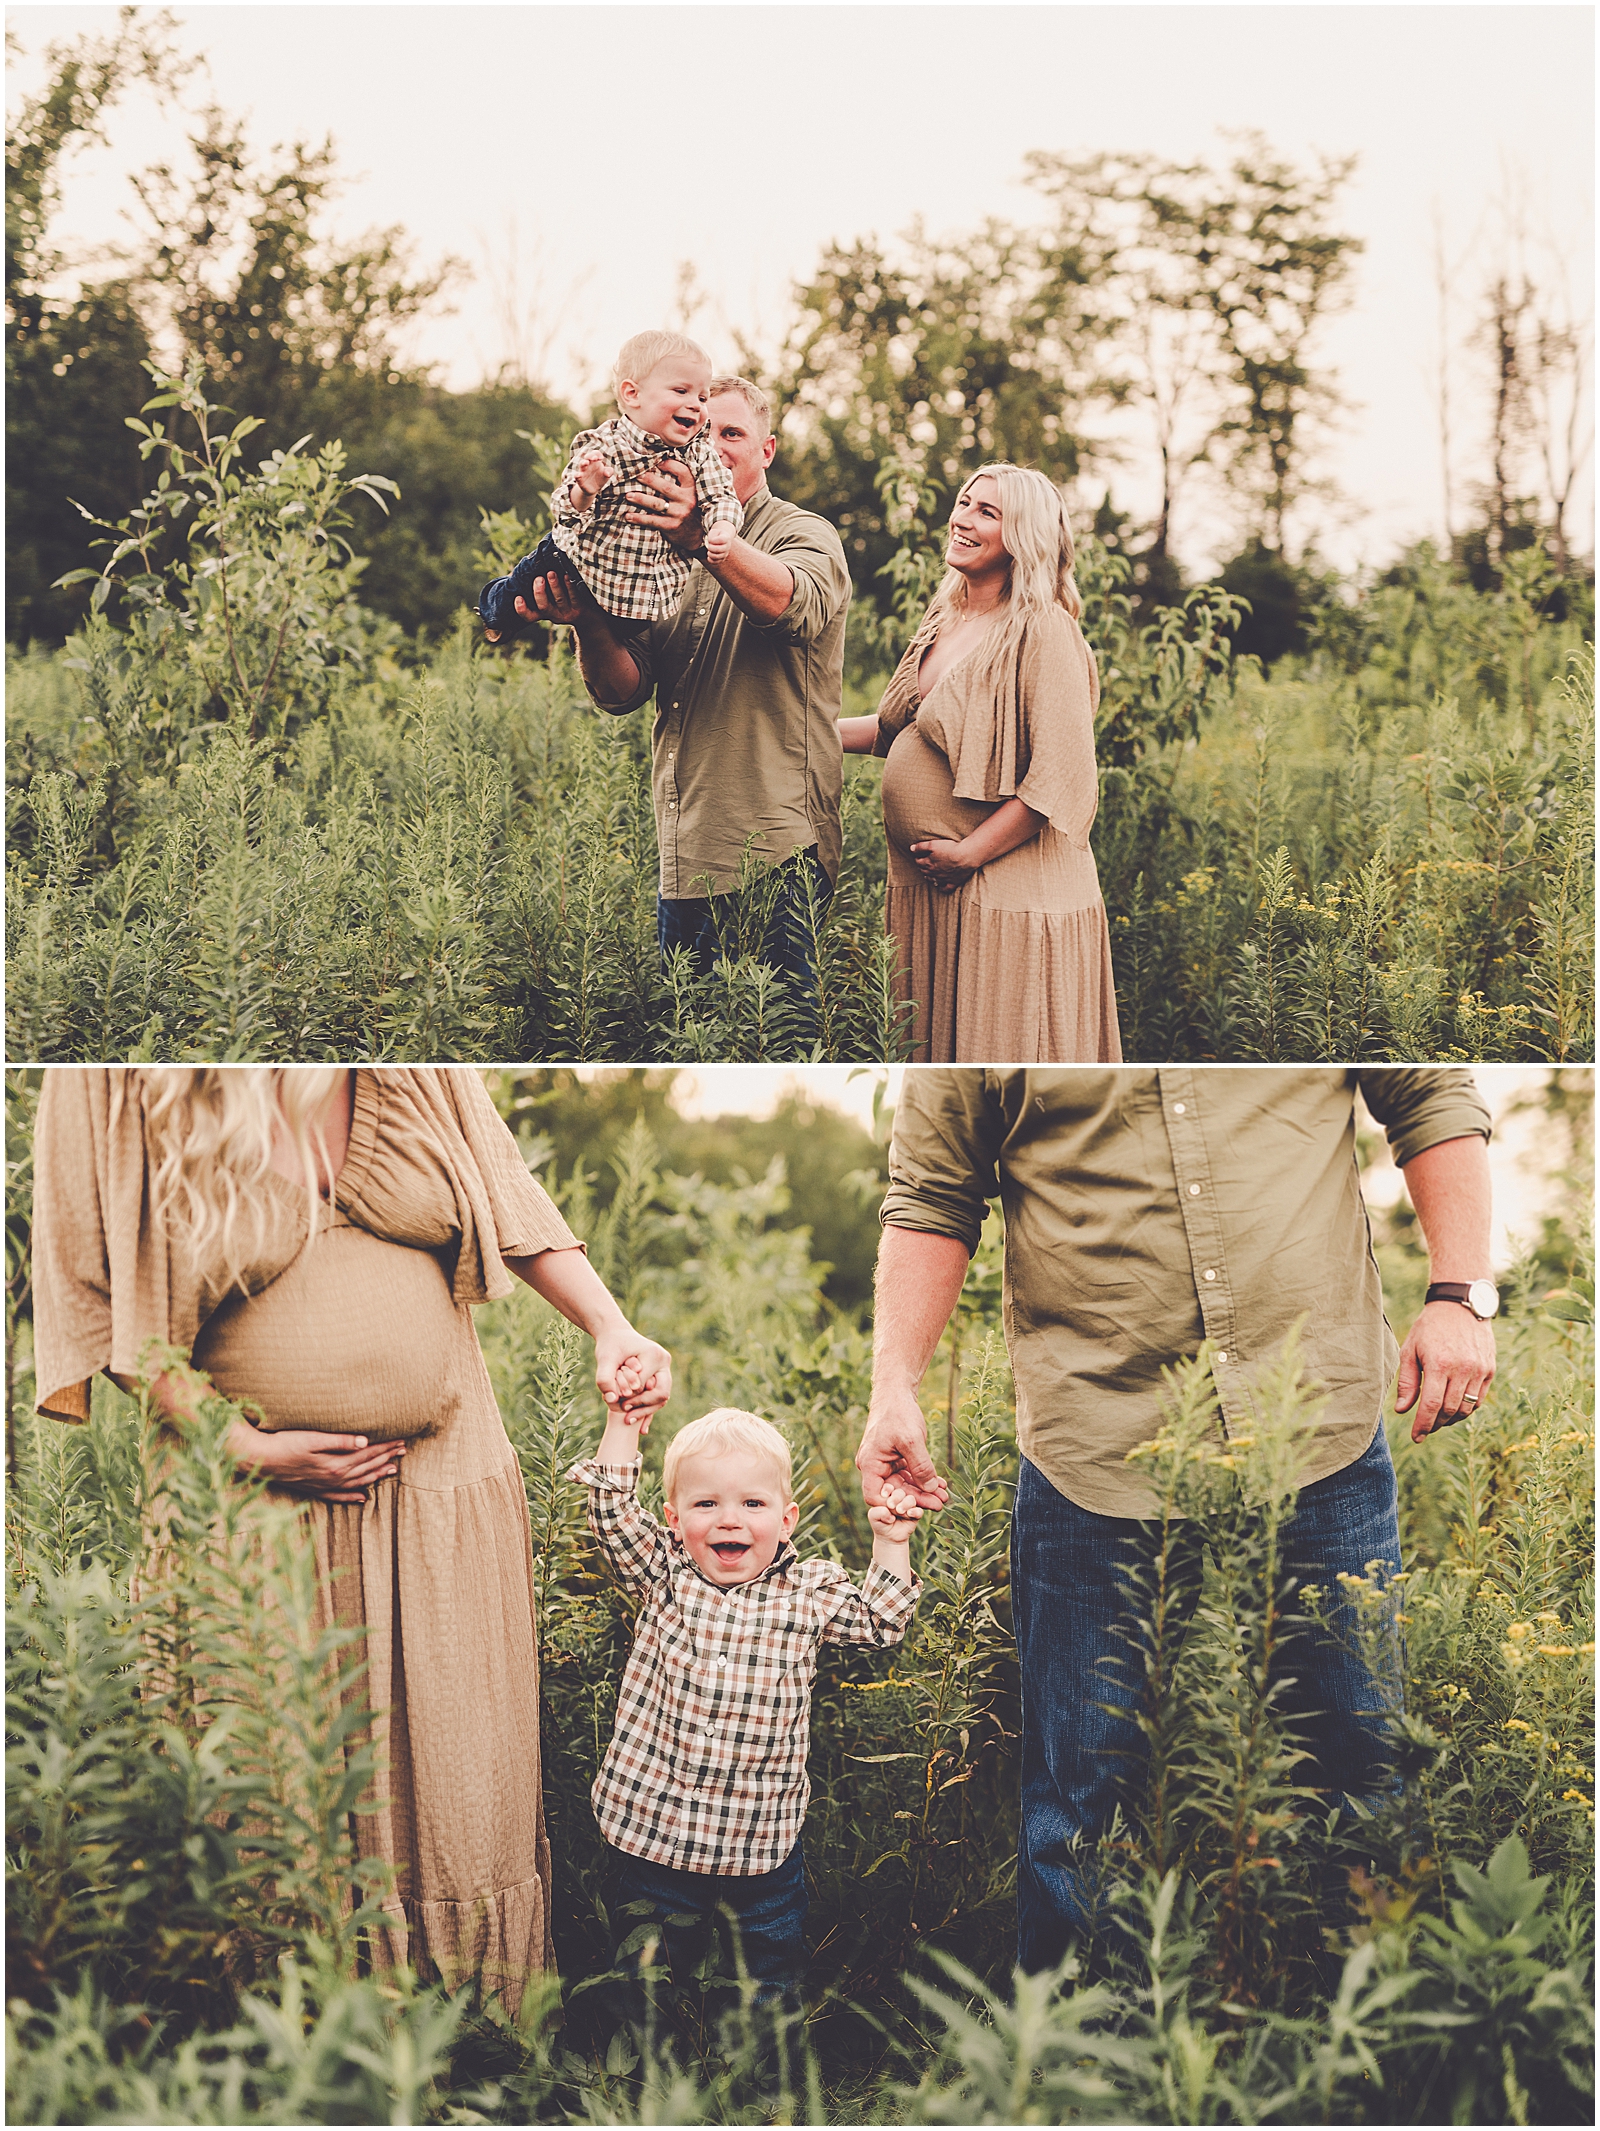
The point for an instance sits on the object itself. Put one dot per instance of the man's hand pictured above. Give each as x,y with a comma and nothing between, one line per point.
664,496
1448,1363
894,1452
555,599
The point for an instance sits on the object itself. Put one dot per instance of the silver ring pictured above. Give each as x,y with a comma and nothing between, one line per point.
1471,1397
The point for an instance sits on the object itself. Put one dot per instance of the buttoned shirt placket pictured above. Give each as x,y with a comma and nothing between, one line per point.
1182,1112
698,603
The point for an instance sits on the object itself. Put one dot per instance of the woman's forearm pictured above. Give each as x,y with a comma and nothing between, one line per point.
1012,824
858,736
569,1283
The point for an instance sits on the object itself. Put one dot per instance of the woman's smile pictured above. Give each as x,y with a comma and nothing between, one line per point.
975,546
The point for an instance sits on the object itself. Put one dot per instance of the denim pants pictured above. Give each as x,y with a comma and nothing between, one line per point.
1077,1755
799,886
768,1908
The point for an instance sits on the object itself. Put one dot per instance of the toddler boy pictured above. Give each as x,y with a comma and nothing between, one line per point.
662,383
703,1790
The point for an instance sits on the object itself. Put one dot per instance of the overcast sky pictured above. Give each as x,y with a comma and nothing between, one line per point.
578,155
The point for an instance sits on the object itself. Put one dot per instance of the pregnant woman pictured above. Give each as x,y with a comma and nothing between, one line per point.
989,791
318,1236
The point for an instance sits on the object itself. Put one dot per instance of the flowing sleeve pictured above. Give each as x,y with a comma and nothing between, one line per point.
104,1283
505,1211
1027,732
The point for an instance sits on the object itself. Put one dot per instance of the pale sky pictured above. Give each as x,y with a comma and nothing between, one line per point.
1517,1153
577,156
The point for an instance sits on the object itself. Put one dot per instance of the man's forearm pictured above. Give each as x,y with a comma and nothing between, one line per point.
1450,1189
918,1286
609,669
759,585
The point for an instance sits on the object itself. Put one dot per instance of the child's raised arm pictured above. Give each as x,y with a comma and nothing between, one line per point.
620,1445
633,1543
893,1520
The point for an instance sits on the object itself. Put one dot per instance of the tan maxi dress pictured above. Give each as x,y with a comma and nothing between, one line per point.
369,1329
1014,967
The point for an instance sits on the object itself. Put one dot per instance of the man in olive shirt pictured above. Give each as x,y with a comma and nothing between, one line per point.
748,677
1147,1211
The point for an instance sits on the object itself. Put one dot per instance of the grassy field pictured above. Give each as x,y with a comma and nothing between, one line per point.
178,1947
266,826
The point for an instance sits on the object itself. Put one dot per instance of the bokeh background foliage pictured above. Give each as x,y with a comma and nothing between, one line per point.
181,1943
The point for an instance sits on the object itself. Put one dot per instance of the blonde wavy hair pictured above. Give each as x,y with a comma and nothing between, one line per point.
723,1429
1036,535
209,1133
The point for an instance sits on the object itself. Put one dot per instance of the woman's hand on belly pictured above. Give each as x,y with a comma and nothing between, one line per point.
325,1468
943,863
949,865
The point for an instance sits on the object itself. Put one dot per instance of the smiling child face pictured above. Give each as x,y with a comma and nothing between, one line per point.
670,400
731,1513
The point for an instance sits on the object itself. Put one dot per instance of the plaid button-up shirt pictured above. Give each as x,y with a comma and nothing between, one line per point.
630,569
706,1769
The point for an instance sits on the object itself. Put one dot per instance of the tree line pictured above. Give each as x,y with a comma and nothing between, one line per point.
1185,298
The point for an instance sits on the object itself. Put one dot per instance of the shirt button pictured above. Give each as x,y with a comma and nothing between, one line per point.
708,1731
1194,1191
1211,1276
721,1662
1221,1356
1179,1108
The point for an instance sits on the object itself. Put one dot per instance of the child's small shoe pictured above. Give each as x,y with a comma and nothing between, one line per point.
497,606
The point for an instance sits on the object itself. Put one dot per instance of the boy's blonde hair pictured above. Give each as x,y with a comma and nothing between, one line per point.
726,1428
640,355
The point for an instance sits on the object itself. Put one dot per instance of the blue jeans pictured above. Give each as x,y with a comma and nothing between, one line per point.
798,886
1077,1755
768,1910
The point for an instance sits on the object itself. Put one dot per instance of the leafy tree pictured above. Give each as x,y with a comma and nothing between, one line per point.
1221,282
72,363
981,347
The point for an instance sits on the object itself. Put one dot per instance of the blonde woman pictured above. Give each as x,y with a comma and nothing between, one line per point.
318,1236
989,792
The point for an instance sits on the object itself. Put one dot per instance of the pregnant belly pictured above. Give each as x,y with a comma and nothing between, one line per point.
358,1336
918,801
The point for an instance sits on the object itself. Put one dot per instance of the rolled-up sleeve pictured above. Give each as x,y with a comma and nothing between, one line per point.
1421,1106
637,638
811,551
948,1130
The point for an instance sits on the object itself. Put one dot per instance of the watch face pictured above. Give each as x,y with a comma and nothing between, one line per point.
1483,1298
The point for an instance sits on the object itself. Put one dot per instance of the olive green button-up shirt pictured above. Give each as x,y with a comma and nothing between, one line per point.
746,743
1148,1209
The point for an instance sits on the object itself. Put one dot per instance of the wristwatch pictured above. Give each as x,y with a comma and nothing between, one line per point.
1481,1297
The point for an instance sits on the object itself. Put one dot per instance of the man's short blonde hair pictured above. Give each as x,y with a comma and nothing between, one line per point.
752,395
640,355
726,1428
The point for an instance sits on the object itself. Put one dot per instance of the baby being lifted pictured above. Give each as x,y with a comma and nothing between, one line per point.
663,384
703,1789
